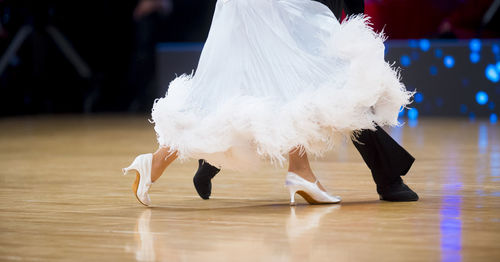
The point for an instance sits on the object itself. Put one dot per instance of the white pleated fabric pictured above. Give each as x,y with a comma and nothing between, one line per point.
274,75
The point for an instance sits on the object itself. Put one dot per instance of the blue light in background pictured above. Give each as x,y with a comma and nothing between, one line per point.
424,44
493,118
475,45
415,55
495,49
451,223
492,73
413,43
183,47
433,70
482,138
498,66
412,113
472,116
449,61
439,102
474,57
451,213
463,108
491,105
401,112
481,97
413,122
438,53
405,60
418,97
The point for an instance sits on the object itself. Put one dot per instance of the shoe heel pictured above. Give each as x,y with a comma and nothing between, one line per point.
128,170
310,191
132,169
292,190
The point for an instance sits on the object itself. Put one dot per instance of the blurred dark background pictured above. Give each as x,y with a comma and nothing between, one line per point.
114,39
117,56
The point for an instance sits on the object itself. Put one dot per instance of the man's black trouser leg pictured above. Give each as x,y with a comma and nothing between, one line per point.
387,160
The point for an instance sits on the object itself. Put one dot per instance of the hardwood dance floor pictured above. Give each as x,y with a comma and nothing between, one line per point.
63,198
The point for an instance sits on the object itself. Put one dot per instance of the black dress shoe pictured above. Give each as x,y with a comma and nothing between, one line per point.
397,192
202,178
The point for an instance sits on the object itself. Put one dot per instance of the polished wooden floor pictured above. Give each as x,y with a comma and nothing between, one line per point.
63,198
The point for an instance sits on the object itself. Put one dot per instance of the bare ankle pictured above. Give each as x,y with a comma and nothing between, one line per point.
157,167
161,160
305,173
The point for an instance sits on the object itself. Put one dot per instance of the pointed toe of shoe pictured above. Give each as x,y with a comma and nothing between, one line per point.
310,191
147,202
338,199
333,200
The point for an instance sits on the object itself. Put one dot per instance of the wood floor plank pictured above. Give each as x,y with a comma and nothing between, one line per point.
63,198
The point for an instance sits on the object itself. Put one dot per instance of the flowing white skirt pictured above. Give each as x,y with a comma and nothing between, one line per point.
274,75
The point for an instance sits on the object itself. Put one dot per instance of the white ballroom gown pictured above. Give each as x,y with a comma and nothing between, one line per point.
274,75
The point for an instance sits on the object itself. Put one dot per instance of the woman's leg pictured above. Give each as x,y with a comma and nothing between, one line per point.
162,158
299,164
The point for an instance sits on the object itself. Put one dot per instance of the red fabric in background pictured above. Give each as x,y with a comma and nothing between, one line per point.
402,19
467,17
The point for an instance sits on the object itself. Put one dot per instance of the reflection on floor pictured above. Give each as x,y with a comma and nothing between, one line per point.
64,198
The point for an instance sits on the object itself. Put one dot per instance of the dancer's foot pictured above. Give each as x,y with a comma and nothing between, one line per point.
148,168
141,167
397,191
307,174
312,192
301,180
203,178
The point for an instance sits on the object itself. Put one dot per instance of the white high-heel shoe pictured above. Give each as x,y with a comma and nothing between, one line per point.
308,190
142,168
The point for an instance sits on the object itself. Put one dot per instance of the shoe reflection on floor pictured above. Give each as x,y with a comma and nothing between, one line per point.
298,230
